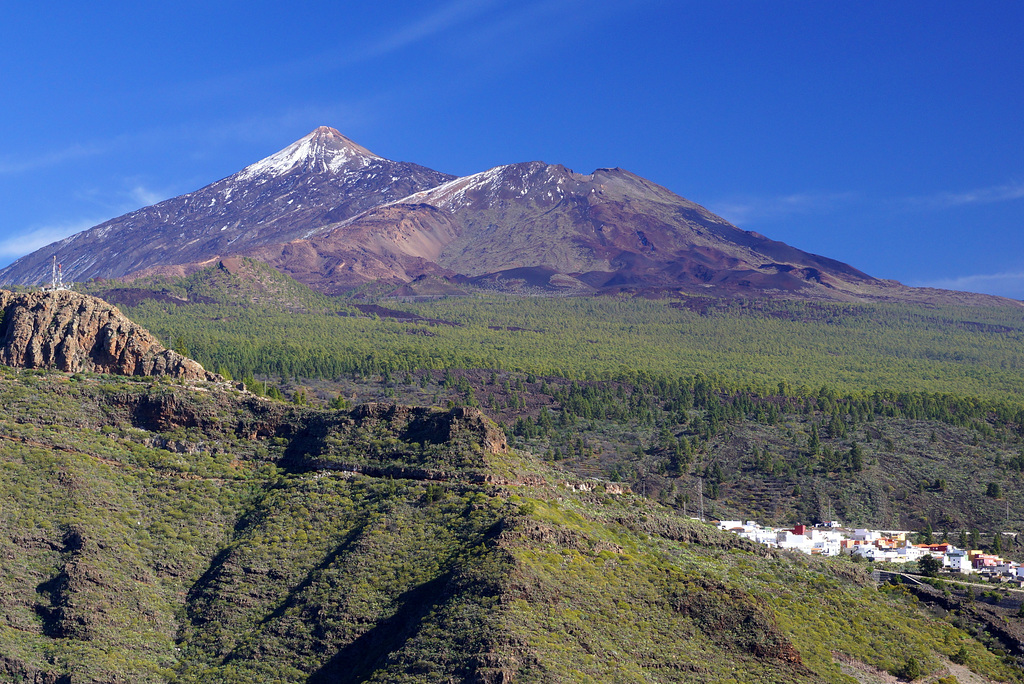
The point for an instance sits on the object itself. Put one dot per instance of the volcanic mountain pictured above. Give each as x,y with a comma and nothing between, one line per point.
335,216
322,178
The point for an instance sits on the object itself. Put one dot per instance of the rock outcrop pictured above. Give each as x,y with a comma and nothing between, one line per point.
73,332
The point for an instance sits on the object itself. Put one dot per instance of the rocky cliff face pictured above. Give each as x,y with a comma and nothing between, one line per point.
73,332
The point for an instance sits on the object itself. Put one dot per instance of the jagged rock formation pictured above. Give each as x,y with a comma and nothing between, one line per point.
74,332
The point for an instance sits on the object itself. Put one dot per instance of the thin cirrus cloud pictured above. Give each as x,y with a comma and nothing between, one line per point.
41,236
34,238
444,18
1010,284
487,17
14,165
131,196
145,197
1006,192
750,209
491,19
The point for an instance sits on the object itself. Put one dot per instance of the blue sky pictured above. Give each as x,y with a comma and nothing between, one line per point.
885,134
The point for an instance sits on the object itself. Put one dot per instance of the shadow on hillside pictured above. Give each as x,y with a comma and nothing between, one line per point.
361,658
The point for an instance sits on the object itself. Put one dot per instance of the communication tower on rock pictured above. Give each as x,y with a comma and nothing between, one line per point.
56,276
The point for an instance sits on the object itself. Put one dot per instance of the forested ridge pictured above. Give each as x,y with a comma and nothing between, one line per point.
267,324
882,414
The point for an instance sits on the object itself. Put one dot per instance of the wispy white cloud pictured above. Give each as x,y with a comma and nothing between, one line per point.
40,236
755,208
444,18
133,194
741,210
526,27
133,197
1009,284
144,196
477,24
447,17
10,165
944,200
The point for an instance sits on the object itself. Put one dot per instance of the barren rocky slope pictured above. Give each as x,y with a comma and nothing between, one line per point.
542,226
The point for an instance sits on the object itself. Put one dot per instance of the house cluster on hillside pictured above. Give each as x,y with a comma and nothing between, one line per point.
880,546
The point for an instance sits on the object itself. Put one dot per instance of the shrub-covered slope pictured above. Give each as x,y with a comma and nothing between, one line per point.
158,532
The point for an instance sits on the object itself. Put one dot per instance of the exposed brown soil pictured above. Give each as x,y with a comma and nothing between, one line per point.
382,312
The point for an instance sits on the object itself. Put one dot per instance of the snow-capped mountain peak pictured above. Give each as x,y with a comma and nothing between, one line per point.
320,179
324,150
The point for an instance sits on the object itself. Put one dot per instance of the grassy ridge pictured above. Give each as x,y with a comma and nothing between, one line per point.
156,533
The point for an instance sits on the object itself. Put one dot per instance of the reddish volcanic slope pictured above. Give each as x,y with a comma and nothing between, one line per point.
535,225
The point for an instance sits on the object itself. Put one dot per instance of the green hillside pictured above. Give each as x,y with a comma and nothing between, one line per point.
157,532
263,322
764,402
921,459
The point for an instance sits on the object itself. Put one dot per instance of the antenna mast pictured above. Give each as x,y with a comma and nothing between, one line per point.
56,275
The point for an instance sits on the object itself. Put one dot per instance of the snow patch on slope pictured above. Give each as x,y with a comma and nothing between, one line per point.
452,195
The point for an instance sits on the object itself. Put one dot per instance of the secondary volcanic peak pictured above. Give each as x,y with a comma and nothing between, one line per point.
610,228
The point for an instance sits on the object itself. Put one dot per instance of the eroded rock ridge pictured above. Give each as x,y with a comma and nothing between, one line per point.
73,332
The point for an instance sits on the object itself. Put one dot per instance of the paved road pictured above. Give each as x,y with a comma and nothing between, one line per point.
885,575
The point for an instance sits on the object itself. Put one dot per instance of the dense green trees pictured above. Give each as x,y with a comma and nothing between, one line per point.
619,384
929,566
777,347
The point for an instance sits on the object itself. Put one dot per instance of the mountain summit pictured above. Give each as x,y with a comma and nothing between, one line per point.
325,150
608,227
